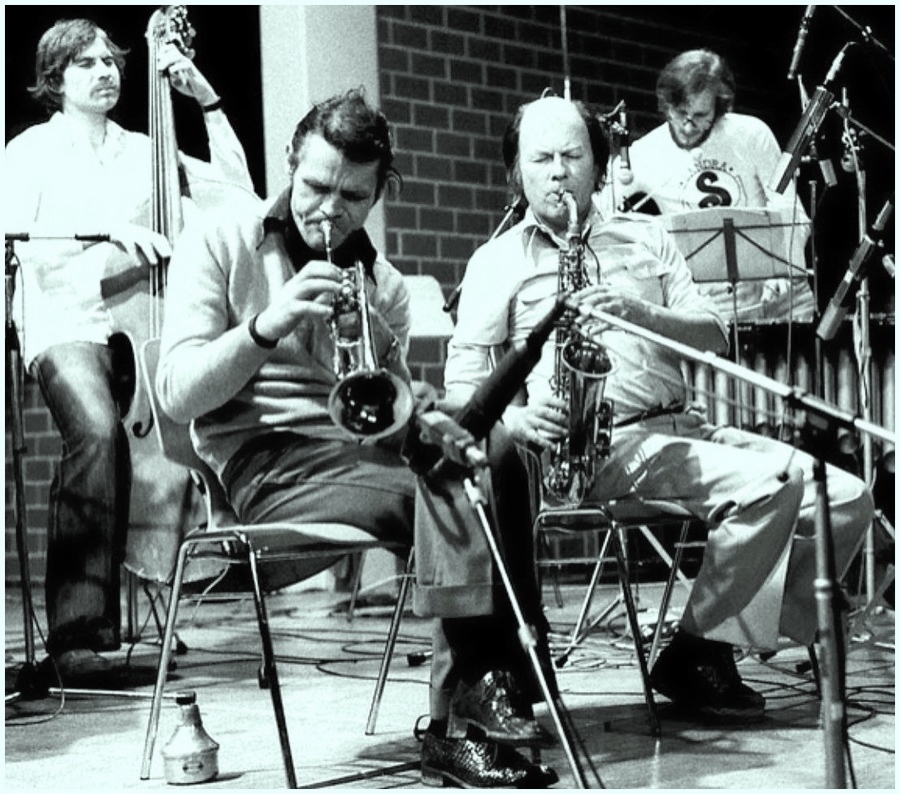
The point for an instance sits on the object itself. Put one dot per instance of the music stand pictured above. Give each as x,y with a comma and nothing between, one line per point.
738,244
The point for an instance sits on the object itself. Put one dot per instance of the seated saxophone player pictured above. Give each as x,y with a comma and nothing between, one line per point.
755,495
81,173
247,355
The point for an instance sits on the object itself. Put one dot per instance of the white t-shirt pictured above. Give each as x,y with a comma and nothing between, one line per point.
731,168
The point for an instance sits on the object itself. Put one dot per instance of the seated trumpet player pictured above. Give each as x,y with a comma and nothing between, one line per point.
258,350
755,495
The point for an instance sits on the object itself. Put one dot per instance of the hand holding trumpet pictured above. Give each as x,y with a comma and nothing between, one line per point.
308,295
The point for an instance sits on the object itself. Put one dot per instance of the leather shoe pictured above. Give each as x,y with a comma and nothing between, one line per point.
475,764
82,668
701,676
497,708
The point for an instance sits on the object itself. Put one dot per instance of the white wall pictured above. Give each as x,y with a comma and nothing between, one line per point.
310,53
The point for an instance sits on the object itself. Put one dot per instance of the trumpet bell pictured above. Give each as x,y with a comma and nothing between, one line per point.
371,404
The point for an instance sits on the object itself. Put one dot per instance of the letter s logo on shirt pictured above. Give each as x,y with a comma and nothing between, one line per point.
717,196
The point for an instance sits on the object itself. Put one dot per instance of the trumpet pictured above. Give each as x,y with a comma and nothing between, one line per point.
581,369
368,402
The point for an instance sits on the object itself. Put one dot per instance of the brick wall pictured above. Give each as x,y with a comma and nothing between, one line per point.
451,77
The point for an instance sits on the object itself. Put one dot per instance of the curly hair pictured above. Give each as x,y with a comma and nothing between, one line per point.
58,47
692,72
353,127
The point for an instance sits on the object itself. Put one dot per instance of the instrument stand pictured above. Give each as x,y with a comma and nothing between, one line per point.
28,684
562,720
820,435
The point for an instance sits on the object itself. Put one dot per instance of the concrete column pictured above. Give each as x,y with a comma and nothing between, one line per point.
308,54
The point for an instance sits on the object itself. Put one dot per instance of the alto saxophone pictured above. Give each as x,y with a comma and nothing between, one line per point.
581,369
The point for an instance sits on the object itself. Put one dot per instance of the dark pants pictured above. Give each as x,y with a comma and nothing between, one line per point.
88,497
287,477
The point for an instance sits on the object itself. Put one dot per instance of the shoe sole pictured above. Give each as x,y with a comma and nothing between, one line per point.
433,778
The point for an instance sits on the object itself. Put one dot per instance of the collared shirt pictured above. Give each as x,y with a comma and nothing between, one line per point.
56,183
511,284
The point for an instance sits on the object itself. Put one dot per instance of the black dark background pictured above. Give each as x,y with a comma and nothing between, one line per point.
756,40
226,48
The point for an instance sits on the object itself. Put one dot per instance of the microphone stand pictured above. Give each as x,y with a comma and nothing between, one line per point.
28,685
459,446
822,421
510,210
863,346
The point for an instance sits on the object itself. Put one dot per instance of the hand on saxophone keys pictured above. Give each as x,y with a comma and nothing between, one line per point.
543,422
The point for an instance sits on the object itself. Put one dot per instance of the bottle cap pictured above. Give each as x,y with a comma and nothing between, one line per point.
186,698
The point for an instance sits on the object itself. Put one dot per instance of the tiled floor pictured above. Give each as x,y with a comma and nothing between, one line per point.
328,667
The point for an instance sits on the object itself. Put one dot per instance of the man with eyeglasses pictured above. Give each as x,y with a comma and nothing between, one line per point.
705,155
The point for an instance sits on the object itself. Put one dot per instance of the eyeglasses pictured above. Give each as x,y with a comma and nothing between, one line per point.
696,119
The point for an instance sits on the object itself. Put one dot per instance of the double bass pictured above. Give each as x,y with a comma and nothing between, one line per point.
164,502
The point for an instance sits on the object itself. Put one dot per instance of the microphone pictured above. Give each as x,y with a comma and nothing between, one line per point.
820,152
487,404
801,40
435,434
806,130
837,307
624,174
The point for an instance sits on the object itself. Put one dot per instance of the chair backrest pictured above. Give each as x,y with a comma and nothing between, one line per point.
175,441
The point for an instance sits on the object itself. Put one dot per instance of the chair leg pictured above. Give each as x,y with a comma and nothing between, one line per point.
359,561
618,542
579,632
390,644
674,569
131,612
270,673
165,653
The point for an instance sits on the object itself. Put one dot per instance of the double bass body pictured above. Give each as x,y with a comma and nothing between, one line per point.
163,501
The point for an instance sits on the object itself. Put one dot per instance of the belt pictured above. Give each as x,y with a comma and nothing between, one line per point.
652,413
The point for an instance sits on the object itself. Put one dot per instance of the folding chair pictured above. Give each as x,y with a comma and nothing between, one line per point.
226,539
615,519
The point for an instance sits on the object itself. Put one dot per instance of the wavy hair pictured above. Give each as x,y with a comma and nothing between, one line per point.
356,129
692,72
58,47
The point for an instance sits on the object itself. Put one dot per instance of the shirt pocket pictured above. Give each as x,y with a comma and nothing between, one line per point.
533,301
